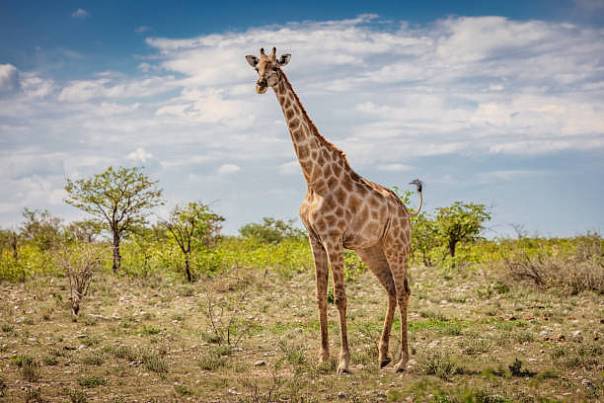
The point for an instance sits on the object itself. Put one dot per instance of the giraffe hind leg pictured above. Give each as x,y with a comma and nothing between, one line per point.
396,249
375,259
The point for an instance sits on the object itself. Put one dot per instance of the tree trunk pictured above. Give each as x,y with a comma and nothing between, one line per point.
452,245
14,243
188,266
117,258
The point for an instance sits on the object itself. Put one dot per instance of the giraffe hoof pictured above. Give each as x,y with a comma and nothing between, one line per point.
343,371
400,367
385,361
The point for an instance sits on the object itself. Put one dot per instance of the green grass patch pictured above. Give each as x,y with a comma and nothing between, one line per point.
91,381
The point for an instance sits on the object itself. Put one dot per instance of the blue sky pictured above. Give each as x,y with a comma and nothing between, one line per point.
494,102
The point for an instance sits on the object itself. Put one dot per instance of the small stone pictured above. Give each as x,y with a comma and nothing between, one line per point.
341,395
577,336
260,363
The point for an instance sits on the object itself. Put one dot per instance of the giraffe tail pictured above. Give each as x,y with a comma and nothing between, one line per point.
419,186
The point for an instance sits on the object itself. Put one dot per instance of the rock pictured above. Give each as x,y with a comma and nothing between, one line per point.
260,363
544,334
577,336
341,395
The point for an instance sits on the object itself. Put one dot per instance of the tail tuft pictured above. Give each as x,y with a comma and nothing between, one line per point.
418,184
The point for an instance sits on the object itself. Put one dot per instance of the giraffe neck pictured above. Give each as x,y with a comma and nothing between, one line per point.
317,156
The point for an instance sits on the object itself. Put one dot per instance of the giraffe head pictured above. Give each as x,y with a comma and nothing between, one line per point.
268,67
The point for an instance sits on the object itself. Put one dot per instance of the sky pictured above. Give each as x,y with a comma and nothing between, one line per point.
494,102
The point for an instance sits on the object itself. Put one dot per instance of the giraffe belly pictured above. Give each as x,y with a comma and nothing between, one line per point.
362,239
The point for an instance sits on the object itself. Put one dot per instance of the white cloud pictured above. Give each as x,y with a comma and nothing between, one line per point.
228,169
386,92
394,167
209,106
140,155
9,78
290,168
111,87
80,13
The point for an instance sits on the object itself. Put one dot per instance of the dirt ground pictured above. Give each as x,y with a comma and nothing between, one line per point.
252,335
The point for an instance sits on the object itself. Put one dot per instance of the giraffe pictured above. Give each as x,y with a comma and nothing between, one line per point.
342,210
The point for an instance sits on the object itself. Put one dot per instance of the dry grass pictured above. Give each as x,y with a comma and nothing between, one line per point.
581,271
155,342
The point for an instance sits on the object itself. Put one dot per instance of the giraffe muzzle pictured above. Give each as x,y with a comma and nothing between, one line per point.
261,86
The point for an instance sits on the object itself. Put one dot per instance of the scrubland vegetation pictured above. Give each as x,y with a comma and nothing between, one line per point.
179,312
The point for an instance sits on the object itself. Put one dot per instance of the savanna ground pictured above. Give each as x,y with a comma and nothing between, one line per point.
486,332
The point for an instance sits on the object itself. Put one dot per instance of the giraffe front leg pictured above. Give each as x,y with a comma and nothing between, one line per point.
336,261
321,271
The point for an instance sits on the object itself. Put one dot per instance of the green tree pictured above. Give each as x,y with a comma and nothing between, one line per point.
190,225
121,198
271,230
10,240
84,230
461,222
40,227
425,237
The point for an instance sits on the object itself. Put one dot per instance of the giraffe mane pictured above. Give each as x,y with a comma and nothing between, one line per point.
313,128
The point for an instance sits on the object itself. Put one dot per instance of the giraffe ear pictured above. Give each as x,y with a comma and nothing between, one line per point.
252,60
284,59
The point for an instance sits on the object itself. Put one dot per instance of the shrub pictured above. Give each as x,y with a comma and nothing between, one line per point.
214,359
153,360
227,326
28,367
442,364
582,270
80,262
76,396
50,360
93,359
91,382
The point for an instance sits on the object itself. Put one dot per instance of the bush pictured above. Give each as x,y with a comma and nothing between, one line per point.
580,270
271,230
76,396
28,367
91,382
442,364
80,262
